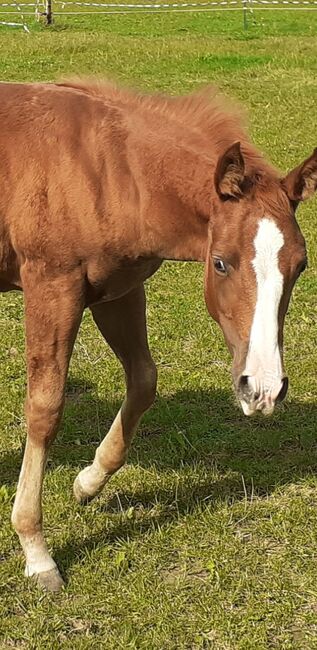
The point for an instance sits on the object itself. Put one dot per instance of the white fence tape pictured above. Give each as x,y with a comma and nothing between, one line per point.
140,7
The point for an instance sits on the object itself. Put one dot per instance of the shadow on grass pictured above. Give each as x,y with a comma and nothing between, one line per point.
191,429
200,430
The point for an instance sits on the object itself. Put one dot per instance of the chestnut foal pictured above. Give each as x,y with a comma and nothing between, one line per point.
98,186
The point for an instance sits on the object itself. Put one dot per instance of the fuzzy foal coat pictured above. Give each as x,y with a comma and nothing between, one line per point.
98,186
99,179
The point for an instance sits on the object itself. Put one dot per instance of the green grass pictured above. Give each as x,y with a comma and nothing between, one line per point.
208,537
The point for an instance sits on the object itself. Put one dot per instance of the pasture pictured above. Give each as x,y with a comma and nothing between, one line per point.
208,537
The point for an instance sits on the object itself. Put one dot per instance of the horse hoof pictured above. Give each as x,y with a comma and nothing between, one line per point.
80,495
50,580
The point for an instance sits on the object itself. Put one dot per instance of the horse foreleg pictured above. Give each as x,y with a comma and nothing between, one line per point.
53,310
123,324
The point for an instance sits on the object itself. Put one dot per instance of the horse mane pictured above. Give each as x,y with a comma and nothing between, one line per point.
204,111
206,115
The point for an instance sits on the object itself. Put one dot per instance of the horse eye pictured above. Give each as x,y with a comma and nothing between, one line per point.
220,266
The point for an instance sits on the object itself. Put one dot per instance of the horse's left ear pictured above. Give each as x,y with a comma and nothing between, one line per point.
229,174
301,183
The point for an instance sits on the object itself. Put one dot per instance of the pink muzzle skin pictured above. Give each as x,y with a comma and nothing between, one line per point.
256,395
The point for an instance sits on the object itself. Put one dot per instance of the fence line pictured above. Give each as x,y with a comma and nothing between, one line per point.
166,5
13,24
18,10
164,11
181,5
43,8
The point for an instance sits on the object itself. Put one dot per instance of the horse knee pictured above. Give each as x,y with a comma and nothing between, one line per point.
151,383
145,386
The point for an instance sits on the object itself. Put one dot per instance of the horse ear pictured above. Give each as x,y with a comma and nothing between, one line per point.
301,183
229,173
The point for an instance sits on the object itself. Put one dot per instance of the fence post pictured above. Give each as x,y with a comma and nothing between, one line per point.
49,12
245,15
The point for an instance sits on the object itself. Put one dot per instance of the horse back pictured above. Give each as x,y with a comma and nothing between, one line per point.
67,193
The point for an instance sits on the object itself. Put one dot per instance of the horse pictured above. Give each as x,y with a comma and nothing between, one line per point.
99,185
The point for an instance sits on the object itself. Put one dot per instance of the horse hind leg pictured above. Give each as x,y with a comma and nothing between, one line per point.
53,310
123,325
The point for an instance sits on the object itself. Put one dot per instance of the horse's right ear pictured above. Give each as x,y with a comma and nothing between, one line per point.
229,174
301,183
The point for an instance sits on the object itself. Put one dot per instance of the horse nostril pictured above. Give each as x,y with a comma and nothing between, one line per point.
283,390
243,381
244,387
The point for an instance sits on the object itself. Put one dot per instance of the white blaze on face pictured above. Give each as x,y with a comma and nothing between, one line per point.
263,362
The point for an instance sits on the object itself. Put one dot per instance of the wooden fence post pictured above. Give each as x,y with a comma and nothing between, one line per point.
49,12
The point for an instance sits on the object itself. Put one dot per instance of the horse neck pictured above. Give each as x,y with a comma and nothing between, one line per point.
183,205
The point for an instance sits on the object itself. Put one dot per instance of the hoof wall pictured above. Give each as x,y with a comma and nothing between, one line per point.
49,580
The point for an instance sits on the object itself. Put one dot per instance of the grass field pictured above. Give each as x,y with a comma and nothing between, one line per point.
208,537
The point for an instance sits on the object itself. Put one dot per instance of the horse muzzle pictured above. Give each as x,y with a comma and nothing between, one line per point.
255,395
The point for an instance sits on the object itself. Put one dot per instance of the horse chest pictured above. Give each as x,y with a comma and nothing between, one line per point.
105,285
